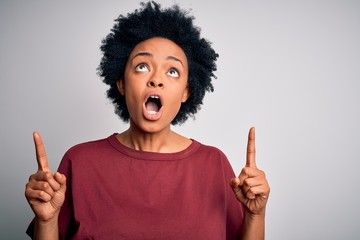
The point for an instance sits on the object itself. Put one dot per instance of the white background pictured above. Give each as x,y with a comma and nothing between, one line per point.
289,68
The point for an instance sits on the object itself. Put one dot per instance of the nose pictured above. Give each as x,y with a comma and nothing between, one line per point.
155,81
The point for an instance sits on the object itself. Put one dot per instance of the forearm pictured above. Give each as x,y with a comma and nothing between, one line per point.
47,230
253,227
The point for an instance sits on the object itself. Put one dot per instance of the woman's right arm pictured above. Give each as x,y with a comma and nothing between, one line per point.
45,193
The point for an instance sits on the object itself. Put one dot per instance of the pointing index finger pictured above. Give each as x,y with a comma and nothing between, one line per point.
250,152
40,153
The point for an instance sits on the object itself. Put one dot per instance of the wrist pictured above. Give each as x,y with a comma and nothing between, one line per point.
253,225
46,229
255,215
47,221
253,218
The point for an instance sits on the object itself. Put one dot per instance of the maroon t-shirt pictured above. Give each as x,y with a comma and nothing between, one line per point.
115,192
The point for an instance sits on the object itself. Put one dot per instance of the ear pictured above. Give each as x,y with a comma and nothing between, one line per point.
186,94
120,86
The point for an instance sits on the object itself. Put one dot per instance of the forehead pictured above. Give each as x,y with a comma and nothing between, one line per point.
160,47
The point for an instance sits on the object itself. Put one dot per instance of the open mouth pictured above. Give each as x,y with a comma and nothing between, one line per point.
153,104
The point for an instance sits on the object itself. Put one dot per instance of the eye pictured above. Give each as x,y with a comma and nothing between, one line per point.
173,73
142,67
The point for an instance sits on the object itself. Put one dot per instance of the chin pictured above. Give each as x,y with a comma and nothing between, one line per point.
151,127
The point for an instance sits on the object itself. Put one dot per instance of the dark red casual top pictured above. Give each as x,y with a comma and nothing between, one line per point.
115,192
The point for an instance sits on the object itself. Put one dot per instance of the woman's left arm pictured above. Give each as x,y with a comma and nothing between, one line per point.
252,190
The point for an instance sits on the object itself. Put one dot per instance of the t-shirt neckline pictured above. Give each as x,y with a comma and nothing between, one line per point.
144,155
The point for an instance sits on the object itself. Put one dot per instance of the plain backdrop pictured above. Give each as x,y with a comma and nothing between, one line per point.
289,68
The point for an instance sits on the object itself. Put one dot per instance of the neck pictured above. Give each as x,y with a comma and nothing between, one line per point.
150,142
165,141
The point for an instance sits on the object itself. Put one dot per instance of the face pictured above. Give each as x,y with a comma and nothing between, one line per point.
155,83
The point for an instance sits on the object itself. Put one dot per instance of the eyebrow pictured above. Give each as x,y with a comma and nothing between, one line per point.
175,59
151,55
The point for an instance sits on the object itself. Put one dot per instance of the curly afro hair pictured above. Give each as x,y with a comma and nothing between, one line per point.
151,21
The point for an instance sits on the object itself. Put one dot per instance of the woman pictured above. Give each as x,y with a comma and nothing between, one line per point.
150,182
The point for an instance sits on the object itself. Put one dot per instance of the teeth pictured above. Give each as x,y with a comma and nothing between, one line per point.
152,112
154,97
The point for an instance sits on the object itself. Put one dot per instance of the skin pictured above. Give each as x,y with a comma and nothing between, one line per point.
252,190
158,67
45,193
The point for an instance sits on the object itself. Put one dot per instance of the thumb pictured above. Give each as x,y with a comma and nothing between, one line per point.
61,179
237,189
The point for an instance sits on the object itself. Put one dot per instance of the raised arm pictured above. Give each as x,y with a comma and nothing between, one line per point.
252,190
45,193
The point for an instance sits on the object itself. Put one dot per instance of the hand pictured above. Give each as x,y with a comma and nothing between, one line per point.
251,187
45,192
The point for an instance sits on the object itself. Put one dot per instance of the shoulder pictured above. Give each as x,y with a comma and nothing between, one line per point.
214,158
86,154
212,155
89,149
87,146
210,150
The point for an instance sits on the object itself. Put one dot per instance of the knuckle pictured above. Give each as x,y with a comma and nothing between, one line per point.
27,192
246,182
263,174
32,177
251,148
47,175
246,170
40,194
45,185
43,195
